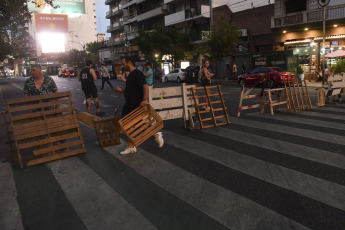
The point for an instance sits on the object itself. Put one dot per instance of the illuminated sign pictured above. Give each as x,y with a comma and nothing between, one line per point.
60,6
51,23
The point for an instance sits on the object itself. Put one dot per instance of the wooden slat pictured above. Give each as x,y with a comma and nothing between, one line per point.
170,114
47,140
45,132
166,92
57,147
338,84
37,98
41,113
87,118
38,124
336,91
38,105
55,157
167,103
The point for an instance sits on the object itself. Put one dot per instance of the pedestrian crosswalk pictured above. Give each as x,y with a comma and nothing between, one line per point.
285,171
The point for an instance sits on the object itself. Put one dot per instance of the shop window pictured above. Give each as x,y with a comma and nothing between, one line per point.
293,6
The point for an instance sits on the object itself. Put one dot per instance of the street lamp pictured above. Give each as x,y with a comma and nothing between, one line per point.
323,4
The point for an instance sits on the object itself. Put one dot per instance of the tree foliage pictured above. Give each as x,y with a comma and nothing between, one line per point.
339,67
163,41
15,39
221,41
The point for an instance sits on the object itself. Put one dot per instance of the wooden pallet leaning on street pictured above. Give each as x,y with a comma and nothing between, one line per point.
321,100
209,105
8,133
107,129
336,87
298,95
247,95
45,128
173,103
141,124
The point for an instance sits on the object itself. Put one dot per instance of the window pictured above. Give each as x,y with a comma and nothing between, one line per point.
293,6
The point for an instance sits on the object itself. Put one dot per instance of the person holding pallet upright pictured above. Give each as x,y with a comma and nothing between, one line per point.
206,78
136,94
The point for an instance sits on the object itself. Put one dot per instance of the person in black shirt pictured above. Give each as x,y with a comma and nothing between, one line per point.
136,94
88,77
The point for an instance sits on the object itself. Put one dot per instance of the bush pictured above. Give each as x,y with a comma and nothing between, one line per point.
339,67
299,70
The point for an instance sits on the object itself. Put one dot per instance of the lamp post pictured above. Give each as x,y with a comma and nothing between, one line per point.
323,4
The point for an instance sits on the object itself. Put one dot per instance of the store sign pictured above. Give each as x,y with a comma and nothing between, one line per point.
51,23
60,6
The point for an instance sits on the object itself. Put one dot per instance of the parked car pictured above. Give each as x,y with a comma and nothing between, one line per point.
176,74
193,74
276,76
67,72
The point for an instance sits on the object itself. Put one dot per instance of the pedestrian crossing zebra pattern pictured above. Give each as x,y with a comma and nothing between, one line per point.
285,171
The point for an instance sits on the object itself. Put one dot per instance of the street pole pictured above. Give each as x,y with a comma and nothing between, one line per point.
323,44
323,4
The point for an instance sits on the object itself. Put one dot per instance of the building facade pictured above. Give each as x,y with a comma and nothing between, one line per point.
297,26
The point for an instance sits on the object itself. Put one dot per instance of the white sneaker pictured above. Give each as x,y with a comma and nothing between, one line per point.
160,139
129,150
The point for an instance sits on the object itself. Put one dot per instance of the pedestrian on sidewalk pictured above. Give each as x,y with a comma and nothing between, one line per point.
243,68
105,76
234,71
88,77
125,74
148,73
136,94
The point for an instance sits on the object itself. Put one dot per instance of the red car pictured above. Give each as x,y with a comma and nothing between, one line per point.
276,76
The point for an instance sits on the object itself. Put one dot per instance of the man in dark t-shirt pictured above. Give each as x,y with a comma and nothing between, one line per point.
87,76
136,94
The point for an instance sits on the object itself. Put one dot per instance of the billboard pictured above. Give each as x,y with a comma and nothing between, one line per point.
51,23
62,6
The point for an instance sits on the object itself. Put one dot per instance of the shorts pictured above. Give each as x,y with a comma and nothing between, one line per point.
91,92
206,82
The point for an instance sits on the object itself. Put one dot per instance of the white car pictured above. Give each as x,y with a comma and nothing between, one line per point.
176,74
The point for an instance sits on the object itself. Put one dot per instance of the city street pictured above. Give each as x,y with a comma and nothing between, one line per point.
260,172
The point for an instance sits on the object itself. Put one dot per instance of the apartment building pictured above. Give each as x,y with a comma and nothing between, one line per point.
298,26
126,17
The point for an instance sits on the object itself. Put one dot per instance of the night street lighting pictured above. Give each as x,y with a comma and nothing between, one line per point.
323,4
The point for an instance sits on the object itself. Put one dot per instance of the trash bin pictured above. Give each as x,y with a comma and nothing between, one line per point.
192,74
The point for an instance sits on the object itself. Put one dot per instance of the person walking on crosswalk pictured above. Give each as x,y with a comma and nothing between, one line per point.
136,94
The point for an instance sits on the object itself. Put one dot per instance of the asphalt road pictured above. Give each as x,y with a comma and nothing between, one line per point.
259,172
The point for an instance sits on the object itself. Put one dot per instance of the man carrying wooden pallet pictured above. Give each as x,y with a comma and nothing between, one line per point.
136,94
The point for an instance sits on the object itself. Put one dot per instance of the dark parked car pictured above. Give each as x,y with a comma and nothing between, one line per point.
193,74
276,76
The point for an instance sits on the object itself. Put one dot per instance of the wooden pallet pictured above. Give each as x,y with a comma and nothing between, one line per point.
246,95
336,87
214,105
45,134
108,130
141,124
298,95
172,102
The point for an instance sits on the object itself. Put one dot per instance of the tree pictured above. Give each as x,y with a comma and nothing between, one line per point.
163,41
92,51
221,41
15,39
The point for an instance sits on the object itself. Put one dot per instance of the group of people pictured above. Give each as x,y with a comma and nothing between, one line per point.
136,90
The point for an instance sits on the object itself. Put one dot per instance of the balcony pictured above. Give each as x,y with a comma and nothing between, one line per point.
333,12
115,41
175,18
131,35
130,18
150,14
114,11
107,2
127,3
200,11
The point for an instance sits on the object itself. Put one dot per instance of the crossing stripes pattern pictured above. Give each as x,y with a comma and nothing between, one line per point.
285,171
